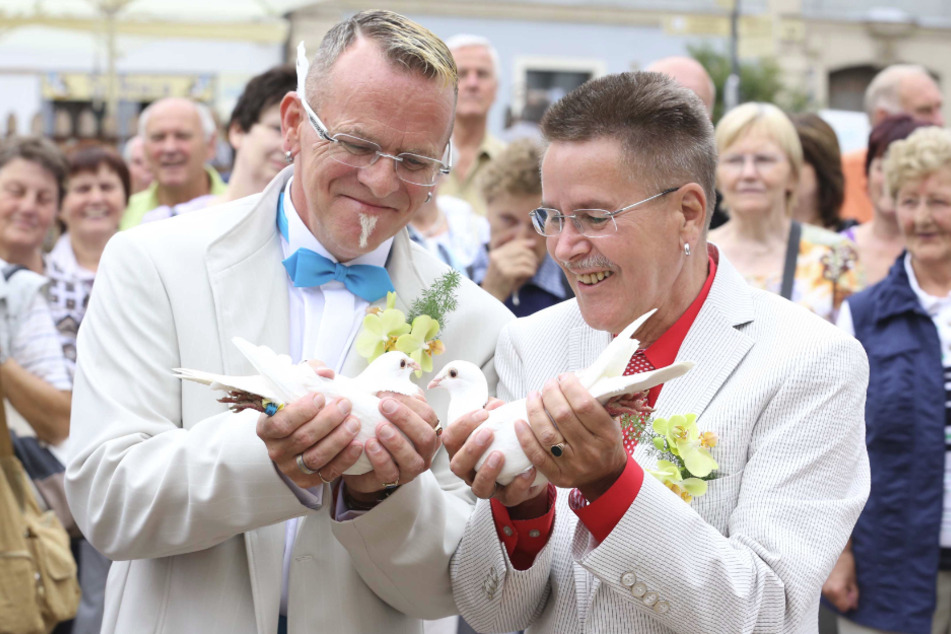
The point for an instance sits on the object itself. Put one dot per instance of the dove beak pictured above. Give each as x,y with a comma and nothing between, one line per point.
434,383
415,365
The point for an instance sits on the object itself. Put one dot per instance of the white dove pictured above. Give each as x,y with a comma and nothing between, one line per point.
604,379
281,381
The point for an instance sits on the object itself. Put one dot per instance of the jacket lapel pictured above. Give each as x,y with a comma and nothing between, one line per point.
715,343
250,296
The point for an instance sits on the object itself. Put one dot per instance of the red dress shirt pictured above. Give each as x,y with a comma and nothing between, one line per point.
524,539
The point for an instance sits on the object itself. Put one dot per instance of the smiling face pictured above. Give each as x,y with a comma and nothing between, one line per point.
352,210
921,98
755,176
93,204
175,144
259,149
28,202
923,208
622,275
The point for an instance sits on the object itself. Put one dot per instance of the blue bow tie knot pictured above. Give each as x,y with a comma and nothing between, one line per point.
307,268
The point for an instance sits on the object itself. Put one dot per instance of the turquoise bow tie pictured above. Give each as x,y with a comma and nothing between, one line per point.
307,268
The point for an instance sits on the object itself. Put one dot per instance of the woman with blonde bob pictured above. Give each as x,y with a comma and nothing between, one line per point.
758,173
895,574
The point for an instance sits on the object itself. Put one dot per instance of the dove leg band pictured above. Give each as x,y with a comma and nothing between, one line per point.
270,407
303,467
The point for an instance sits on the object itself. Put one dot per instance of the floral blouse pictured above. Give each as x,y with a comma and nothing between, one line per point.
827,272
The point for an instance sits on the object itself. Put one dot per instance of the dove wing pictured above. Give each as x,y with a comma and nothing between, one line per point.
607,388
253,384
614,359
286,380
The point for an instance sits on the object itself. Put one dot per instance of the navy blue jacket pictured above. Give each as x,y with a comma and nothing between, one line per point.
896,539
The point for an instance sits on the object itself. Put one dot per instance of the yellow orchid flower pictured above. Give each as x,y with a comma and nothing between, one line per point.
420,342
381,331
668,473
684,440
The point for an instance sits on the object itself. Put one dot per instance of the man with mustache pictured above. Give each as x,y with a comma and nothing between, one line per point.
628,187
178,140
244,522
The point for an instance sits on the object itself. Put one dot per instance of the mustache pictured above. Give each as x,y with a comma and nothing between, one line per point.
597,261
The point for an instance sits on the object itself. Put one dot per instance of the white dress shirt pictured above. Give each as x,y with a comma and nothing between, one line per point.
324,321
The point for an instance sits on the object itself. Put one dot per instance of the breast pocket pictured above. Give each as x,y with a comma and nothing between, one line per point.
718,503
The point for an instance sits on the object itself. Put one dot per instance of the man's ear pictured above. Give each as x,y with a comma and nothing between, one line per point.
693,209
212,147
292,116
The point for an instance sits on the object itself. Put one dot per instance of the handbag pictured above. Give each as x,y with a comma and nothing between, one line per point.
38,583
48,476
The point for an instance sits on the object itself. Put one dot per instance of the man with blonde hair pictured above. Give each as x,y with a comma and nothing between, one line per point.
244,522
898,89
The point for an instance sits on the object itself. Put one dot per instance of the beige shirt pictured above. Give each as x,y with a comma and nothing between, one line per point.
468,188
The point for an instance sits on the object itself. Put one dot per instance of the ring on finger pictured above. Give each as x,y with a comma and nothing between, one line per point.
438,428
303,467
322,478
558,449
391,485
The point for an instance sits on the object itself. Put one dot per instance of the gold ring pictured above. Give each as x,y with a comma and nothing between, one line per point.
322,479
392,485
558,449
438,429
303,467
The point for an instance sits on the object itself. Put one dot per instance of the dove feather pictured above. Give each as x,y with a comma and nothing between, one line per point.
252,384
614,359
611,387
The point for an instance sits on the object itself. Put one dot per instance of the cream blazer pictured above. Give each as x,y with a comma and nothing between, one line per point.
785,392
164,479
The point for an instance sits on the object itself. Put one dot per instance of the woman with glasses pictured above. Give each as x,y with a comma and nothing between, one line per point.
758,173
895,574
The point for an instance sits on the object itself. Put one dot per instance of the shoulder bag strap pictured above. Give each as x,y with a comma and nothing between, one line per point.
792,254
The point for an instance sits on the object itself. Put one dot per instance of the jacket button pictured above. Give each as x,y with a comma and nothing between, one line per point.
650,599
639,589
628,579
661,607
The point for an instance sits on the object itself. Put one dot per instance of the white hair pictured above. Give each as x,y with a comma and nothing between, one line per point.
127,148
462,40
204,115
884,90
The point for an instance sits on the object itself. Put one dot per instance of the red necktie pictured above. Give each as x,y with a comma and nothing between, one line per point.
638,363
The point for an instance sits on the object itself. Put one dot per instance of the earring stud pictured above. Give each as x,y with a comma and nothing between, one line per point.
288,156
687,249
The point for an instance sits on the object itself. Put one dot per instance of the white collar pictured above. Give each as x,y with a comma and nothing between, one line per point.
300,237
930,303
64,258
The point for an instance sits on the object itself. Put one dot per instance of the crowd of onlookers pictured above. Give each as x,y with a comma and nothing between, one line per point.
793,216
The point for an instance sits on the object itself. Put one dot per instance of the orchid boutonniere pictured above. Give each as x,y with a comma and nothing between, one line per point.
387,329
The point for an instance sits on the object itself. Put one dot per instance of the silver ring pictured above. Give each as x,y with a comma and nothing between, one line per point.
322,479
303,467
438,429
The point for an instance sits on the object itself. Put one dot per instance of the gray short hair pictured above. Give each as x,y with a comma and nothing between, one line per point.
405,44
884,90
463,40
208,125
663,128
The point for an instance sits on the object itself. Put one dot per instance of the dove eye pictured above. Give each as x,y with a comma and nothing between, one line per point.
453,373
403,363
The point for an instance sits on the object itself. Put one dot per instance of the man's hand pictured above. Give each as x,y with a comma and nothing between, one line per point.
321,433
840,588
593,455
397,458
465,449
510,265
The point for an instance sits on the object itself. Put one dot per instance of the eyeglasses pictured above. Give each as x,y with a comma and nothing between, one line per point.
591,223
415,169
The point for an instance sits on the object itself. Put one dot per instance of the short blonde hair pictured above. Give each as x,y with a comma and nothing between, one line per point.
771,122
924,152
514,172
405,44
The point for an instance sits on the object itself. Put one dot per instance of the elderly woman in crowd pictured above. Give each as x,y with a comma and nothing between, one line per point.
821,184
97,194
879,241
896,573
35,379
758,174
